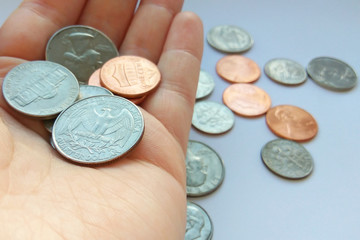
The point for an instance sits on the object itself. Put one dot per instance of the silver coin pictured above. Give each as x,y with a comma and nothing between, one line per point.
204,169
81,49
285,71
40,89
230,39
287,158
213,118
198,223
98,129
90,91
205,85
332,73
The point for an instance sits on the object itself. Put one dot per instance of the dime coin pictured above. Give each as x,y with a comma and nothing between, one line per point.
82,49
98,129
204,169
94,79
291,122
130,76
238,69
246,99
285,71
205,86
90,91
287,159
332,73
40,89
213,118
198,223
230,39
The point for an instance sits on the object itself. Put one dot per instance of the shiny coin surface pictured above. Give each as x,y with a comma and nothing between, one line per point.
230,39
98,129
198,223
82,49
94,79
213,118
130,76
40,89
287,158
291,122
238,69
332,73
246,99
285,71
205,86
90,91
204,169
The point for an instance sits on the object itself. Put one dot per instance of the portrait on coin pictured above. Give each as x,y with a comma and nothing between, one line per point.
194,224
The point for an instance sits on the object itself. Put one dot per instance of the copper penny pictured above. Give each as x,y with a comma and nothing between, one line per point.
246,99
130,76
291,122
238,69
94,79
138,100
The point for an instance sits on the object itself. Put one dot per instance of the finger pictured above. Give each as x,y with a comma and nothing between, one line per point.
179,64
111,17
26,32
148,30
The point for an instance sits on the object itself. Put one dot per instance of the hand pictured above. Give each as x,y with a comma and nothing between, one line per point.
142,196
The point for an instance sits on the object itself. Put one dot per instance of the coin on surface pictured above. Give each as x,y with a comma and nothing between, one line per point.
291,122
90,91
246,99
238,69
213,118
130,76
332,73
82,49
204,169
94,79
230,39
98,129
205,85
40,89
285,71
198,223
287,158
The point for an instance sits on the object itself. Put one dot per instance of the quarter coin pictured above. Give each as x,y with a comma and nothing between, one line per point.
98,129
40,89
230,39
198,223
287,158
246,99
130,76
213,118
82,49
332,73
285,71
238,69
206,84
291,122
204,169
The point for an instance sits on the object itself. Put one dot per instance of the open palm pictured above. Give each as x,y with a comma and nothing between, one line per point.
42,196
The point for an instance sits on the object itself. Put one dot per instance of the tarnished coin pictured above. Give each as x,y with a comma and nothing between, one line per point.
291,122
285,71
238,69
287,159
40,89
82,49
98,129
198,223
90,91
204,169
213,118
130,76
332,73
246,99
230,39
94,79
205,85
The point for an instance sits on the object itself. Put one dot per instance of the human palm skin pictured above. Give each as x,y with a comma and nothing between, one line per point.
142,196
